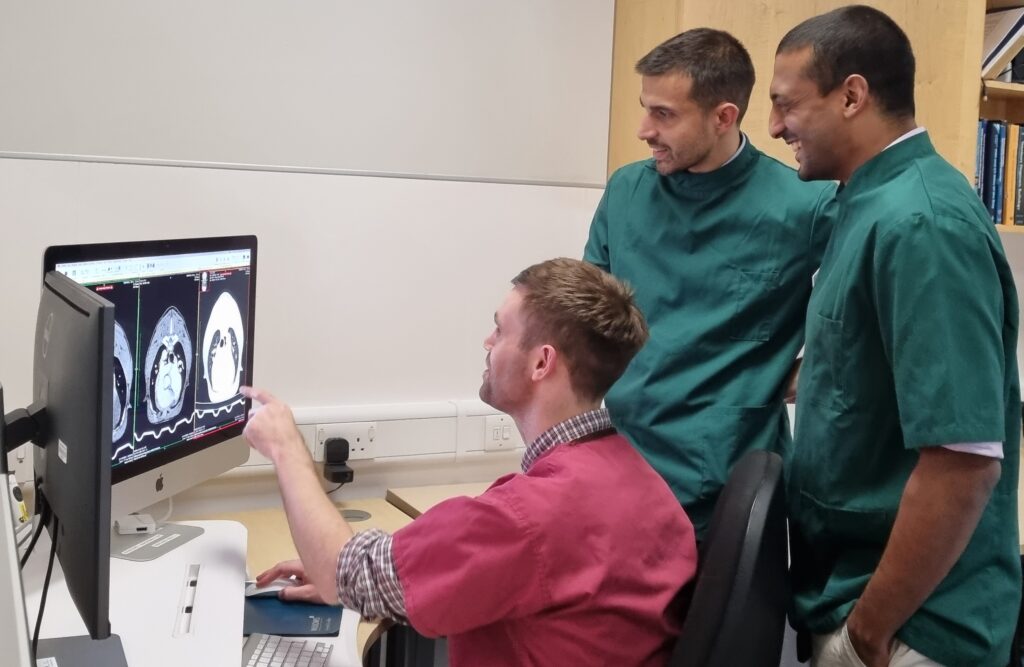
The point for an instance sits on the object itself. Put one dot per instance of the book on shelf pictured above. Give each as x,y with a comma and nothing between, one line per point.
1004,39
988,188
1010,173
1000,172
1017,68
979,159
1018,190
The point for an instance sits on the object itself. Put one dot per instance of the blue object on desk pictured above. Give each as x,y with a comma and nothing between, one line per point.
273,616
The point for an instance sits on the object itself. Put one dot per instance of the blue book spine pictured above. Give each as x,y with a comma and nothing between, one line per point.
991,155
1018,195
998,190
979,157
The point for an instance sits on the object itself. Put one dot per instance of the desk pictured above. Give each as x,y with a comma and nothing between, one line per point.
145,600
270,542
415,500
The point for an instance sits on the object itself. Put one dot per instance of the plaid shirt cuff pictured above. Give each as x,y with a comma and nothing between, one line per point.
367,578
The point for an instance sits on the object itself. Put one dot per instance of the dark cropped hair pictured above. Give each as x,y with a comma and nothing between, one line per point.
587,315
716,62
857,39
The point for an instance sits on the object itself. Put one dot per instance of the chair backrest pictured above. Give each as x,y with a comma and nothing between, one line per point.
738,610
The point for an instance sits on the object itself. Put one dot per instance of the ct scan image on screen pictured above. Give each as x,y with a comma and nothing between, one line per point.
221,304
180,335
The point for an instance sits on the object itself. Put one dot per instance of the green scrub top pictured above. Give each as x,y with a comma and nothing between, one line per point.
721,263
911,342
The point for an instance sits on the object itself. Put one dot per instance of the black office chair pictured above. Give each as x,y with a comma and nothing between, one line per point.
738,610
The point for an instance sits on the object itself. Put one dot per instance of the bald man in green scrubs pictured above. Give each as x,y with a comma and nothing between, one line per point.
902,480
720,243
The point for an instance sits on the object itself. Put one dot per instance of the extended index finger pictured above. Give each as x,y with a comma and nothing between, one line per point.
261,395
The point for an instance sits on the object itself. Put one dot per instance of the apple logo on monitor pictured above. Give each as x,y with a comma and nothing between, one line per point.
160,483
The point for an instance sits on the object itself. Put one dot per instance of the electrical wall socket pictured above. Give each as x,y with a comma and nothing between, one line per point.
361,438
500,433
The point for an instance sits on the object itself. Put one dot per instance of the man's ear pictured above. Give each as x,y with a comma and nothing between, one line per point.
856,93
544,362
726,115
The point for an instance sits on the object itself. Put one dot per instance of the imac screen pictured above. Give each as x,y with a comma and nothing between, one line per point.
183,330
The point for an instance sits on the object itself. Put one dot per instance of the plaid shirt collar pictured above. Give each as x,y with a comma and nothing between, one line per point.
572,429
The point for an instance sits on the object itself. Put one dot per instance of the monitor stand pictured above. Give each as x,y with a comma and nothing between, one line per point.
81,651
149,546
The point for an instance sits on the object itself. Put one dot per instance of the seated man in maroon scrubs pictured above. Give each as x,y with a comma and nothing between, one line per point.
576,560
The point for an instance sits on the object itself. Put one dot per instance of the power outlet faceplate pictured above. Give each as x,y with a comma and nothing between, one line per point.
361,436
500,433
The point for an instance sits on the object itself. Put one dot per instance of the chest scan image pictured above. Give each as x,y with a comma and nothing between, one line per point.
222,345
169,360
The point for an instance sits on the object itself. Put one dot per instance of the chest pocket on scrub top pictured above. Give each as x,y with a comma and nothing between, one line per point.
754,302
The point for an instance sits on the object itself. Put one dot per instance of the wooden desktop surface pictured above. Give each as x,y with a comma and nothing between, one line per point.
270,542
415,500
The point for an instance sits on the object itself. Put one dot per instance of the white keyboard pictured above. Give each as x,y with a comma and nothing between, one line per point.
273,651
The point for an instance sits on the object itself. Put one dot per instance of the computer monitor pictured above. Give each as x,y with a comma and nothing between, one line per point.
72,381
101,649
69,422
182,345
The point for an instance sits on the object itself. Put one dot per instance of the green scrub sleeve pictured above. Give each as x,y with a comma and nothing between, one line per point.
940,311
596,250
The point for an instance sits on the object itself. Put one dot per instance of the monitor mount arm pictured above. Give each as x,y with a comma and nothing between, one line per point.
20,426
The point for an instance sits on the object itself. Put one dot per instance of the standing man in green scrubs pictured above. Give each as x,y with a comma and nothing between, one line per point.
902,479
720,243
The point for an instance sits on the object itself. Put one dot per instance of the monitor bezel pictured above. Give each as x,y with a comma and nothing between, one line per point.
62,254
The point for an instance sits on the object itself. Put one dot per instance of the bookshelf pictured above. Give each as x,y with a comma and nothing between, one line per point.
1002,101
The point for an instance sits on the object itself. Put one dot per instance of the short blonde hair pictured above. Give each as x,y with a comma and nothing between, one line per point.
588,315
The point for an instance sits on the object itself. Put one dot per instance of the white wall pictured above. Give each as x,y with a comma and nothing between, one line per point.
473,88
370,290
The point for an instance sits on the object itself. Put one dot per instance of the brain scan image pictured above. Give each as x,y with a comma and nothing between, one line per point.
223,343
123,374
168,364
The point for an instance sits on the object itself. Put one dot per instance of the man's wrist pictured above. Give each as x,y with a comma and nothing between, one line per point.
861,631
292,451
